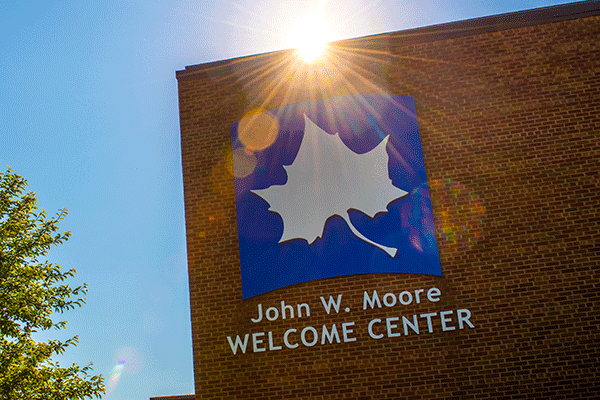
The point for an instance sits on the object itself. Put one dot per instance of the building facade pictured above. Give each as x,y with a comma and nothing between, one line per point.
508,114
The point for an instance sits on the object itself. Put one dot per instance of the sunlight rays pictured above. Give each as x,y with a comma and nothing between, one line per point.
355,67
302,73
312,35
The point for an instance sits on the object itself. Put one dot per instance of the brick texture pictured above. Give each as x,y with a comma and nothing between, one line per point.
510,126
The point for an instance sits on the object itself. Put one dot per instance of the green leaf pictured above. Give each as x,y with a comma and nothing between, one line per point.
32,290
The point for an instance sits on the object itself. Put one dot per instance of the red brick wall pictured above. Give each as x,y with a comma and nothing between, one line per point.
510,126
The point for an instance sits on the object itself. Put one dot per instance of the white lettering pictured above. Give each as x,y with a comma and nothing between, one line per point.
405,298
271,346
286,307
444,320
286,341
287,311
309,336
315,338
256,342
433,294
389,299
417,292
371,301
370,329
272,313
238,343
330,335
306,308
428,316
402,295
336,305
346,331
390,326
260,315
462,319
414,326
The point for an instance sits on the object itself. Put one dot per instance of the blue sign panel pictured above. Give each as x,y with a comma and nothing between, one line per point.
331,187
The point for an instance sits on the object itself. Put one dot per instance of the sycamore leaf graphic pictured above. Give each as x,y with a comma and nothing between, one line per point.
327,178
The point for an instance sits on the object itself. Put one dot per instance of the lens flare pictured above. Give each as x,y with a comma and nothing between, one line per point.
311,48
311,36
417,220
459,213
115,376
257,130
128,360
243,163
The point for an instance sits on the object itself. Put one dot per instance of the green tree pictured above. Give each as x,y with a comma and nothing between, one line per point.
32,289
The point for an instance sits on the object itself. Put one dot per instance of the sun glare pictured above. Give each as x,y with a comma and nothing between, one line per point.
311,39
311,48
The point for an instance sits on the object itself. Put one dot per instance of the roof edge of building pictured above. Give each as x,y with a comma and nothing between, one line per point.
448,30
176,397
500,22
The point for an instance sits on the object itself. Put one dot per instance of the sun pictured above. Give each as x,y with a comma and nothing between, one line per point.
310,48
310,39
310,51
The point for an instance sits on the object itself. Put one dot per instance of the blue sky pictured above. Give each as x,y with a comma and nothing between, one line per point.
89,116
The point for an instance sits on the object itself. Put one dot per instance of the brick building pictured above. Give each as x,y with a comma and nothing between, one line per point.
508,111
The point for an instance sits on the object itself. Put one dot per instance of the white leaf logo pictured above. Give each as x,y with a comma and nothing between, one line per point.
327,178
